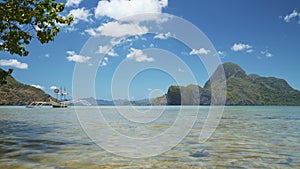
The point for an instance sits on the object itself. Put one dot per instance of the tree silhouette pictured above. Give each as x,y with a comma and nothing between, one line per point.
24,20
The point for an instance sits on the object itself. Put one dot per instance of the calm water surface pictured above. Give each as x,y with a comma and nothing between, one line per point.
247,137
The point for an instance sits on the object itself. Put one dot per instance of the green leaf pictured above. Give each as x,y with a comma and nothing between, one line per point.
19,15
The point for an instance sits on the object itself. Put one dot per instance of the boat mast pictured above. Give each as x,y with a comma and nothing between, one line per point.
65,94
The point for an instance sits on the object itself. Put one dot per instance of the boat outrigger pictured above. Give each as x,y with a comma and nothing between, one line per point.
38,104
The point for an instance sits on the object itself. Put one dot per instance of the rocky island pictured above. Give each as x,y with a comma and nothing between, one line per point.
242,89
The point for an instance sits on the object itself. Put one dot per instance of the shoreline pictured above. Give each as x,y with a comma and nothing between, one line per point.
166,106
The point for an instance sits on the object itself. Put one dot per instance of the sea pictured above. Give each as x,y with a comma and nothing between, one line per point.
114,137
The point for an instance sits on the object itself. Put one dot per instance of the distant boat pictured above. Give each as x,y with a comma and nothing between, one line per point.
60,102
54,104
63,102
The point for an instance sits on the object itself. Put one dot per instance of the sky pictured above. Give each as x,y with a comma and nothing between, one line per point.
262,36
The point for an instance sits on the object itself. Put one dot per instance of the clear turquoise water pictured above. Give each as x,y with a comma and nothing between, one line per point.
247,137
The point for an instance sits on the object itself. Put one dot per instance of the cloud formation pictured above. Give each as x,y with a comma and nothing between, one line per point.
267,54
201,51
53,87
240,47
37,86
102,64
292,16
13,63
106,50
139,56
117,9
250,50
181,70
73,2
163,36
80,14
116,29
92,32
220,54
77,58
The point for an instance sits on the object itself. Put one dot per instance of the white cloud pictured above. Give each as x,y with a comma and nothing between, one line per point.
181,70
80,14
73,2
221,53
163,36
47,55
250,50
53,87
240,46
91,32
103,64
267,54
201,51
115,29
117,41
139,56
291,16
103,49
151,45
14,63
157,17
77,58
37,86
112,53
106,50
117,9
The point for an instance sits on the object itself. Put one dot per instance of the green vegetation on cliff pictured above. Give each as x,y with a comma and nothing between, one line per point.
242,89
16,93
189,95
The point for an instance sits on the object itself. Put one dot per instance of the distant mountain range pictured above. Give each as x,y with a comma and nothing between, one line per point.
121,102
242,89
16,93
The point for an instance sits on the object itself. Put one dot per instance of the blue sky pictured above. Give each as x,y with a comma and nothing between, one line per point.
262,36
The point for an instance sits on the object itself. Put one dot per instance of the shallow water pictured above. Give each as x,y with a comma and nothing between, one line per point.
247,137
